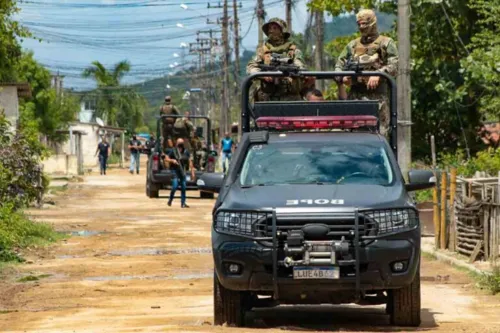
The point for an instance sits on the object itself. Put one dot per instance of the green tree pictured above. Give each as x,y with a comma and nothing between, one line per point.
482,66
444,102
50,112
119,105
10,31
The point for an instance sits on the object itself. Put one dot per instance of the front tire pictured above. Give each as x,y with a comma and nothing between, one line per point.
228,305
404,304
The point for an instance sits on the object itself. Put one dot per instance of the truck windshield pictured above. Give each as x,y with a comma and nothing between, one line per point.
316,163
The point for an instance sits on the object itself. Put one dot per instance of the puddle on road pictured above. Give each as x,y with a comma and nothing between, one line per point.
85,233
150,277
159,251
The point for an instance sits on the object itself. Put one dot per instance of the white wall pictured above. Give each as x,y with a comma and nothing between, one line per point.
9,103
61,164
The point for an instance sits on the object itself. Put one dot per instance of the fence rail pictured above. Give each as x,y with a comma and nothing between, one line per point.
467,215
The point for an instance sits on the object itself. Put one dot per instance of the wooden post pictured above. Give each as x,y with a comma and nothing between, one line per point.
451,205
435,201
444,178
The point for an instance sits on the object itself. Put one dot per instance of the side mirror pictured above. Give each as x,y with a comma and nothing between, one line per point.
210,182
420,180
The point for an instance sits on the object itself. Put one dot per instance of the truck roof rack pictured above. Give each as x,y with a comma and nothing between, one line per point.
324,115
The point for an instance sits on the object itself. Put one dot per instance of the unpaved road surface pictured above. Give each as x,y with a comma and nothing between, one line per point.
136,265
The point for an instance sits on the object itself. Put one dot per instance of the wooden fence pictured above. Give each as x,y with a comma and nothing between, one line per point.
467,215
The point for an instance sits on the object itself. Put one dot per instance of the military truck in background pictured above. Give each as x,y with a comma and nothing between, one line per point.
159,176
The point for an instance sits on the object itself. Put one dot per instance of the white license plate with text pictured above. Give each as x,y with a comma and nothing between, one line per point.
188,178
316,272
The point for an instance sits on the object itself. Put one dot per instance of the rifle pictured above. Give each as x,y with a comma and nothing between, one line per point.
178,158
280,64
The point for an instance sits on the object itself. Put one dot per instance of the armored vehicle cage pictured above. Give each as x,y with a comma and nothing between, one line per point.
343,115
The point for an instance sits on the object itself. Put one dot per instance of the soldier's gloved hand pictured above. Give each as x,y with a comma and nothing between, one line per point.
373,82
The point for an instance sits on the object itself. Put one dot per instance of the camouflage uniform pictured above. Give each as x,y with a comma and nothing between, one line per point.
168,123
281,88
376,53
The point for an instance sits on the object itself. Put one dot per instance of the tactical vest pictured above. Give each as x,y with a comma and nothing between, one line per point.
372,57
281,86
167,109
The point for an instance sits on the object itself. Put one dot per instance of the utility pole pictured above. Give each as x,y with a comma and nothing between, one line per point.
288,4
236,28
404,88
225,105
260,17
318,51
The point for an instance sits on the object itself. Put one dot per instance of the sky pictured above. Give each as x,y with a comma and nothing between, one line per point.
148,33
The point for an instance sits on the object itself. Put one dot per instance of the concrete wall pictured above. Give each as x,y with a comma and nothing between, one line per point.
89,143
61,164
9,103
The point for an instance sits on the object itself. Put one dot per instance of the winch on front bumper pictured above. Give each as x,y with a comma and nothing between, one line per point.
360,251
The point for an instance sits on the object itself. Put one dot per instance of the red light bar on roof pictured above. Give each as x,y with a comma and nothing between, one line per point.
320,122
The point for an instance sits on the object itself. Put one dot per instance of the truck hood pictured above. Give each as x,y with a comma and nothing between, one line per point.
341,197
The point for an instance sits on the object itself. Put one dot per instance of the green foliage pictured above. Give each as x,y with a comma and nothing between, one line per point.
482,67
10,30
19,168
486,160
491,282
50,112
118,105
17,231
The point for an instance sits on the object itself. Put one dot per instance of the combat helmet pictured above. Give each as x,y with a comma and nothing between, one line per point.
281,23
168,98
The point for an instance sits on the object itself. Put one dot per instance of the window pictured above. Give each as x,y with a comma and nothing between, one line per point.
313,162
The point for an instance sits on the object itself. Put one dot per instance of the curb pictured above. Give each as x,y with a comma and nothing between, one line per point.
440,256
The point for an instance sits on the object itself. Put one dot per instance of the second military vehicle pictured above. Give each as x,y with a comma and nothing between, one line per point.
159,175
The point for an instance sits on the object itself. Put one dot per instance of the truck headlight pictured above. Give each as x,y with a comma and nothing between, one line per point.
237,222
393,220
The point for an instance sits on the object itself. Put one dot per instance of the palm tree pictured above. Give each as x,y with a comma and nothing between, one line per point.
120,105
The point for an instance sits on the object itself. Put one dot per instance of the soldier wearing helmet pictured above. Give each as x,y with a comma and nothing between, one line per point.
373,52
277,42
168,123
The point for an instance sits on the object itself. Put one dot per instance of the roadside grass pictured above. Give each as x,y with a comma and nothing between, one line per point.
17,232
489,282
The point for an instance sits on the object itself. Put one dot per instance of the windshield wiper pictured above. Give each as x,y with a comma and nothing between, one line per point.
263,184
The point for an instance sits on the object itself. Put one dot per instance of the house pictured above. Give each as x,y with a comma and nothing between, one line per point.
9,99
78,153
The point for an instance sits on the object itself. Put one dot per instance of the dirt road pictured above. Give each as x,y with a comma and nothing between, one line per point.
136,265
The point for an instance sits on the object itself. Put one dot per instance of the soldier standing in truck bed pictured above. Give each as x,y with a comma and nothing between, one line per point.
168,123
267,88
374,52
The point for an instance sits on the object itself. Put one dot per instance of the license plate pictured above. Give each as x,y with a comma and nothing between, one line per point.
188,178
316,273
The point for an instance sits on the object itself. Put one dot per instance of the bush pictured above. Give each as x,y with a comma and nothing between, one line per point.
17,231
486,160
20,171
491,282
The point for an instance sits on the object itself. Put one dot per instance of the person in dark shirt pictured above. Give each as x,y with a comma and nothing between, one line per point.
135,153
179,160
103,150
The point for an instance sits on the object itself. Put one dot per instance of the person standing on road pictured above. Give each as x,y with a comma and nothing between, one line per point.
103,149
226,150
179,160
135,153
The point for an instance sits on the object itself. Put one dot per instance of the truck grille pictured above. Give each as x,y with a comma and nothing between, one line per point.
337,228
